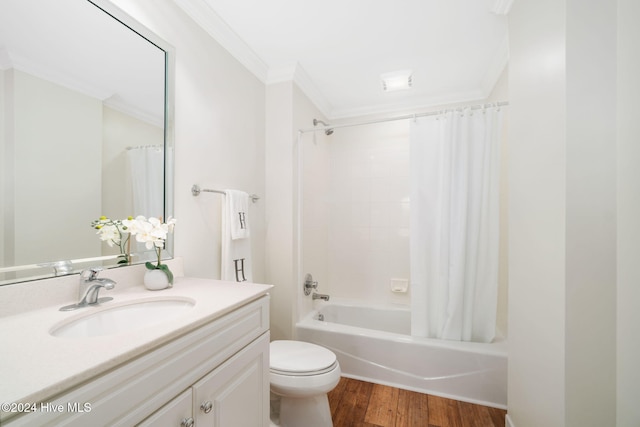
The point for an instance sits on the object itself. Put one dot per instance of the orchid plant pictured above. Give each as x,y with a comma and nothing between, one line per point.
153,233
115,233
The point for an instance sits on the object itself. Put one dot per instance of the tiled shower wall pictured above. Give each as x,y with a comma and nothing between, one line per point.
368,212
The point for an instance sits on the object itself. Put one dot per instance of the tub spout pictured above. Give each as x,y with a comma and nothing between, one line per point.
320,296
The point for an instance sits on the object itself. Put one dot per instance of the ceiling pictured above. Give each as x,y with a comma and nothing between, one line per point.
336,50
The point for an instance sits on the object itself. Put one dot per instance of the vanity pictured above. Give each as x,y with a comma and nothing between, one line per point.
204,360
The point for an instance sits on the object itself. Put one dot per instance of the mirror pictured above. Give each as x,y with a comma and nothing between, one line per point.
85,131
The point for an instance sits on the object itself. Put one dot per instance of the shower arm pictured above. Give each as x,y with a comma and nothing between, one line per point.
327,130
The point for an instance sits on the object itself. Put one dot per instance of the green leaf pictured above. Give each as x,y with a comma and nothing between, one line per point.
150,266
165,268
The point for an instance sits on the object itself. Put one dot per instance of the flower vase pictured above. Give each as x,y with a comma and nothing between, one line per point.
156,279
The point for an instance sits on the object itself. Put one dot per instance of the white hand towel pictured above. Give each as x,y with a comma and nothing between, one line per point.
236,254
237,203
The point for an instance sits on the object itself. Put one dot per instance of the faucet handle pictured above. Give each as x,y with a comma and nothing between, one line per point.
90,273
309,284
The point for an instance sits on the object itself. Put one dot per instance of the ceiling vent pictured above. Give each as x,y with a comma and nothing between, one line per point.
397,80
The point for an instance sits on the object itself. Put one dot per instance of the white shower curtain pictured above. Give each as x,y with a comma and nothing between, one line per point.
147,178
455,160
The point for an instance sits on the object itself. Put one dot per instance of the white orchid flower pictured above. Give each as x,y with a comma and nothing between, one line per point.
110,234
150,231
115,233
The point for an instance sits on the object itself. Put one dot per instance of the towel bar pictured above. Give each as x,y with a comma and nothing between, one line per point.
196,190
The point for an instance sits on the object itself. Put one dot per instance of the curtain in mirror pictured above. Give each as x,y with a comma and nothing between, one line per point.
147,180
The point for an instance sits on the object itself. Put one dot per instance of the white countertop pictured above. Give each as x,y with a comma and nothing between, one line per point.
34,365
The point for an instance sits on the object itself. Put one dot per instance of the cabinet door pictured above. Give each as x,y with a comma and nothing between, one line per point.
177,413
236,394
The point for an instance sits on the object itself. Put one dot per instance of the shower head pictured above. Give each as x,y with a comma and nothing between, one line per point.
326,131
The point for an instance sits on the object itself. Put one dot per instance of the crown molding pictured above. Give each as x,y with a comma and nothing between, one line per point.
208,19
75,83
116,103
418,104
305,83
216,27
295,73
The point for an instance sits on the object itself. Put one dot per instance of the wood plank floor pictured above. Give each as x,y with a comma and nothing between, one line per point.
357,403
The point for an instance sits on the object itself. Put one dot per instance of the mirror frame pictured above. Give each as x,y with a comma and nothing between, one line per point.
78,265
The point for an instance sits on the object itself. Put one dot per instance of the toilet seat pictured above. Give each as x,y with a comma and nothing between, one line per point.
304,374
297,358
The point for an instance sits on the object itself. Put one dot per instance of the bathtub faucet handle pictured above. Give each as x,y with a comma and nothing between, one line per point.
309,284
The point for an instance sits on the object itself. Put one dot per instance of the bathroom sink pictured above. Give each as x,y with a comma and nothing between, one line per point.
123,318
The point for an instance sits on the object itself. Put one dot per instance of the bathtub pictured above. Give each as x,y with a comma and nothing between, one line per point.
374,344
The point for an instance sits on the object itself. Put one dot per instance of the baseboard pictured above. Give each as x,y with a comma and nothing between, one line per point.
509,423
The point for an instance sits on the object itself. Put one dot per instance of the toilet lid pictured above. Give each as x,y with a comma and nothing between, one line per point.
299,357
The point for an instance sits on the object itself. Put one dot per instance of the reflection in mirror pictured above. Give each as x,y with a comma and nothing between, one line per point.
83,133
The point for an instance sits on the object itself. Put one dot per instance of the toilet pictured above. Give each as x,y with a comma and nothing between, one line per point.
301,374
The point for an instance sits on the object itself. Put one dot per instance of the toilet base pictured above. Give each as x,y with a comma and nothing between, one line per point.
301,411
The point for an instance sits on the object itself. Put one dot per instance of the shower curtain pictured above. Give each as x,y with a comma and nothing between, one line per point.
454,224
147,179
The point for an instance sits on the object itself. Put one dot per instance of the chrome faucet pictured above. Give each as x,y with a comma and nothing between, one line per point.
323,297
90,286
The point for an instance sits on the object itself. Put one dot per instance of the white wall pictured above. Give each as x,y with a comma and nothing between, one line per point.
63,146
536,213
628,250
590,279
279,160
219,137
562,176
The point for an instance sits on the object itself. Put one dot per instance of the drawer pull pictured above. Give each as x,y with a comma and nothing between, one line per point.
187,422
206,406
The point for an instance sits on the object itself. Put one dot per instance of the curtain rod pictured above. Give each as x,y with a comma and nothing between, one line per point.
407,116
